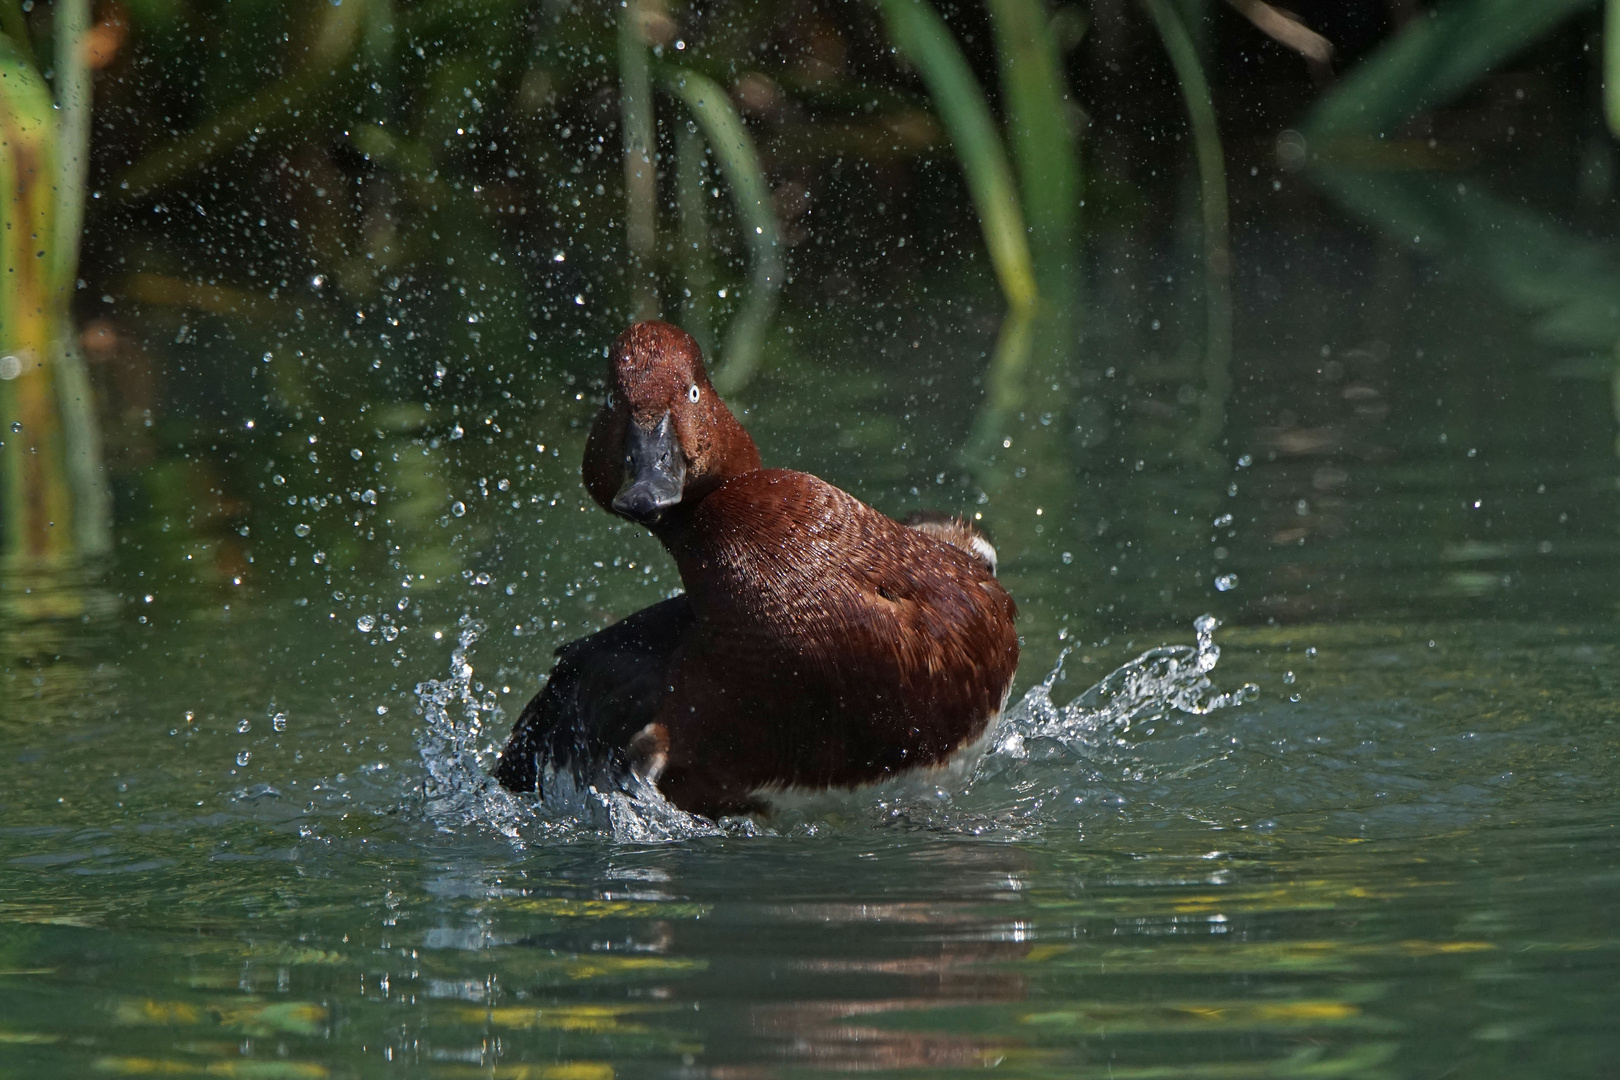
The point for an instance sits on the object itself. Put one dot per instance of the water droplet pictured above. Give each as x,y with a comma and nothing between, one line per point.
278,479
1223,521
279,721
382,710
481,579
16,425
244,727
1226,582
301,529
244,757
265,358
357,453
389,633
318,558
1293,697
365,624
1288,678
369,496
458,508
1310,653
1068,557
318,281
1245,461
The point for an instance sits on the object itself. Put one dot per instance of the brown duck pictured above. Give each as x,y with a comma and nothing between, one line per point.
819,644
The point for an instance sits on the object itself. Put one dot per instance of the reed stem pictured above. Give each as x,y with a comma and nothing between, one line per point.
923,38
1036,100
1178,43
640,177
1611,65
36,501
697,267
739,163
92,524
15,27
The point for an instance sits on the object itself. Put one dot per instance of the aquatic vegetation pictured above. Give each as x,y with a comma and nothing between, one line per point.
738,163
1217,256
53,497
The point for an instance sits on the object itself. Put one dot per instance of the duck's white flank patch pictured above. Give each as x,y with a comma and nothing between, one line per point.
937,781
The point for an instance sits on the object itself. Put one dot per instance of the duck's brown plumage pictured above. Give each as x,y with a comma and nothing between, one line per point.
819,645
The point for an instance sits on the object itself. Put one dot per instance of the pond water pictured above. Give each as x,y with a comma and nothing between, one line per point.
242,832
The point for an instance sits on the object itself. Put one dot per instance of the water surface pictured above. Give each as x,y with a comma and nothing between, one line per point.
223,851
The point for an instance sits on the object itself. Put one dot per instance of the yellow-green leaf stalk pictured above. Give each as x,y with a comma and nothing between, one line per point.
36,503
735,153
922,38
53,496
1198,444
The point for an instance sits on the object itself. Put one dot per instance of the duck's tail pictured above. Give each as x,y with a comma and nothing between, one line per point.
956,531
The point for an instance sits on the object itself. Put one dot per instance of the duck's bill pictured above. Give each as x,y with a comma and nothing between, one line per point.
654,472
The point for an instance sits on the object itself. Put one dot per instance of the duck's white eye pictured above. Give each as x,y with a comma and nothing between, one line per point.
694,393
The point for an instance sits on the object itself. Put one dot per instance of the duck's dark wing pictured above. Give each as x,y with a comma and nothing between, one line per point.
603,691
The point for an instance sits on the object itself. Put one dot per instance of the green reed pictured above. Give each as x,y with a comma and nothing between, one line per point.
734,152
53,502
1611,65
1565,280
1199,439
639,129
923,38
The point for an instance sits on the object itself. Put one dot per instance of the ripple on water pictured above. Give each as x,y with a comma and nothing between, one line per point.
1039,757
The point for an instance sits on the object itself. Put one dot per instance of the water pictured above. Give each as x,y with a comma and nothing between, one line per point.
1362,828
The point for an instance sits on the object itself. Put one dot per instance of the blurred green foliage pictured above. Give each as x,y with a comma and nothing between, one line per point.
311,213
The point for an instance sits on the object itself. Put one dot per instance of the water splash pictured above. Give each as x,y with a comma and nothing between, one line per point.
1103,727
458,790
1170,678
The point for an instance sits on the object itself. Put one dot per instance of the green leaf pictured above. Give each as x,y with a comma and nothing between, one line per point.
1435,58
922,36
739,163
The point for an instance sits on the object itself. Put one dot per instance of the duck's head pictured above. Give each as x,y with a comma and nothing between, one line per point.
663,437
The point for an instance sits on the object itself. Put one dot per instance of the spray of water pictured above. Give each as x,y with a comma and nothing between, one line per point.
457,752
1169,678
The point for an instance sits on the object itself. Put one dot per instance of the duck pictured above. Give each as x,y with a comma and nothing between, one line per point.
818,645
